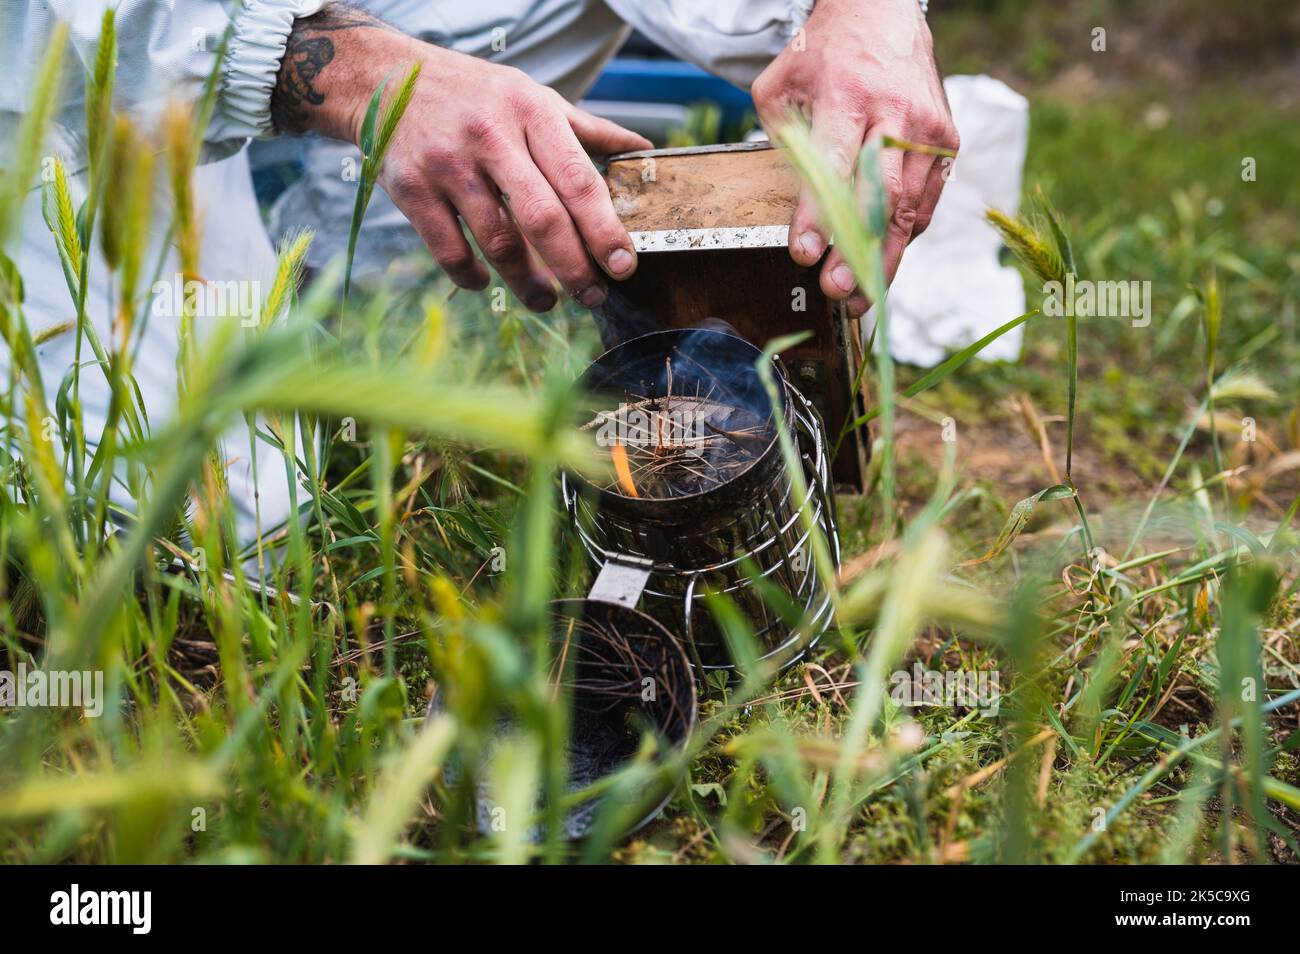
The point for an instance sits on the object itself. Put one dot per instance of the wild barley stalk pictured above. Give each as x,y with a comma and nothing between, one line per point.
62,221
124,235
377,131
288,274
857,230
1213,319
133,167
1043,247
31,133
99,94
383,441
99,104
1041,259
23,363
47,476
65,222
181,157
376,135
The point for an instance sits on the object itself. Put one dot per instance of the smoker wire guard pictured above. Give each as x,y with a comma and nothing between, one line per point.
624,577
674,714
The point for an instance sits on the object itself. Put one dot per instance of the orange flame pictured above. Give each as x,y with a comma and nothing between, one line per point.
619,455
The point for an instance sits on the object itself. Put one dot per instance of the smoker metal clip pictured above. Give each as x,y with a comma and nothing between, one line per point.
621,579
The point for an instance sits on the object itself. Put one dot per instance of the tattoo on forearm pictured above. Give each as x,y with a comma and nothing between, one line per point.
309,51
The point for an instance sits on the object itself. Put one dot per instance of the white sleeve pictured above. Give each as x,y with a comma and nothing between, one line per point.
166,51
257,46
734,39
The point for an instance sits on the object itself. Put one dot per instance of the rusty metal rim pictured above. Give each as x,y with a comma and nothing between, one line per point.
673,645
815,468
653,508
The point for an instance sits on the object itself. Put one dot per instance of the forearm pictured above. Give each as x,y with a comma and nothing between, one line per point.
333,62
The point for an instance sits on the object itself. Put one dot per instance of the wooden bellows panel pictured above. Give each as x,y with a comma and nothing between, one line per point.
710,225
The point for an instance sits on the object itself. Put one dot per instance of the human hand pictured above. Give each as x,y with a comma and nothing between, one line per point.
480,141
863,69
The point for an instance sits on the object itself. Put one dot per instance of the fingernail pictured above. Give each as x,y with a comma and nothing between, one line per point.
810,243
843,278
620,260
591,297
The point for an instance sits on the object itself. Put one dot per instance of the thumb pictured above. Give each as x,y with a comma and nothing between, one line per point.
600,137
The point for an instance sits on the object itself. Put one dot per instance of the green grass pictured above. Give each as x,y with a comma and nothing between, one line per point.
248,727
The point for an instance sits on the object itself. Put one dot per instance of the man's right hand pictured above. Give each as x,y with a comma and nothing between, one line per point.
480,141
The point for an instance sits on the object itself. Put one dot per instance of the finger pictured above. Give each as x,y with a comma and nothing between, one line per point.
891,180
838,136
601,137
938,178
585,196
542,218
904,209
837,279
857,305
440,230
502,244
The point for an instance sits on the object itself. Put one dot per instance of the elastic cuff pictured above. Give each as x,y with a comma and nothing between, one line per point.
257,46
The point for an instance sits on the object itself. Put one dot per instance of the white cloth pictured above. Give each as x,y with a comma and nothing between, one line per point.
950,289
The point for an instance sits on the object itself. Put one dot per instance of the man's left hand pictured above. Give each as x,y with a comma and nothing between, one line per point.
863,69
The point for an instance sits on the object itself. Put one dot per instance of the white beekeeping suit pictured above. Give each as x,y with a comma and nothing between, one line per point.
167,49
565,43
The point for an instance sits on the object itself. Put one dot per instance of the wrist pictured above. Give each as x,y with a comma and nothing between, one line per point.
333,62
874,8
372,57
898,26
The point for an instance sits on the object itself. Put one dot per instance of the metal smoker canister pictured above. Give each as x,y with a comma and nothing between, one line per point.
622,674
722,539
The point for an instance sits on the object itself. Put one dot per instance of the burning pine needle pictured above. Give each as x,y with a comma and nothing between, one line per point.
619,455
678,444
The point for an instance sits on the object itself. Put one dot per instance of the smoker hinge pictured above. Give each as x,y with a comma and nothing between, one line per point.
621,579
